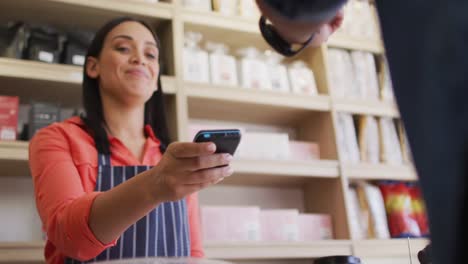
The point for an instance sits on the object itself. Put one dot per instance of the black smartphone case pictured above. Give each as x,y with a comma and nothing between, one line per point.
226,140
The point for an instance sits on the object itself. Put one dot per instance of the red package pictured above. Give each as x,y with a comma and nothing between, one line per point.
400,215
419,209
8,117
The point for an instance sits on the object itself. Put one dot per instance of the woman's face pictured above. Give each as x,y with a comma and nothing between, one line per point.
128,66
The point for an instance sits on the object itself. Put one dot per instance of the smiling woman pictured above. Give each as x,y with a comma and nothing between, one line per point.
109,185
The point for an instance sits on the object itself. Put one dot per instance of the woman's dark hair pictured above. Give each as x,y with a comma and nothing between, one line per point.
155,114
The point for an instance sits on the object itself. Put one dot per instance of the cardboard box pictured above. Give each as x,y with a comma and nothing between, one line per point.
301,150
279,225
225,223
9,107
315,227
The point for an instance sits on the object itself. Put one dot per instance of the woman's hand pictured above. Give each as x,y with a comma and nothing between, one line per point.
186,168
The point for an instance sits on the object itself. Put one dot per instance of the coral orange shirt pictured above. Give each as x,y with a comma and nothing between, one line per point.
63,161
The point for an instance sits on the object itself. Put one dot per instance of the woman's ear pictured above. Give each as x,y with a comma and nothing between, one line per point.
92,67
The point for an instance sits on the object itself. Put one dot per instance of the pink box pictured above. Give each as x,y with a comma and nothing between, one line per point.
302,150
230,224
279,225
9,107
315,227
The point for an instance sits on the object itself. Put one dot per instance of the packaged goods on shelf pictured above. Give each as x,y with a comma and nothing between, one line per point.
76,47
225,7
346,138
359,20
386,82
366,74
279,225
401,218
223,69
371,202
315,227
419,208
42,115
13,39
201,5
369,143
253,70
277,72
9,108
222,224
358,220
341,74
196,63
302,79
390,145
45,44
302,150
264,145
404,143
249,9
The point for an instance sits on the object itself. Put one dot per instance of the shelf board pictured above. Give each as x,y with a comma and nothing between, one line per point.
235,103
366,107
72,12
14,158
221,21
22,252
380,172
280,173
390,248
344,41
268,250
58,83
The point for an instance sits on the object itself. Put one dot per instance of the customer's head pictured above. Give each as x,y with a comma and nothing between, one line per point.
123,68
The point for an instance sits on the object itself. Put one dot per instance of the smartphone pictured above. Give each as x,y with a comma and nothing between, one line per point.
226,140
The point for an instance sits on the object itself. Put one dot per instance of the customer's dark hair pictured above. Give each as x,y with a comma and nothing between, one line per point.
155,114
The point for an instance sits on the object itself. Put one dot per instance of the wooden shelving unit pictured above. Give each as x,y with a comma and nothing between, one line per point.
323,181
292,250
366,107
26,252
380,172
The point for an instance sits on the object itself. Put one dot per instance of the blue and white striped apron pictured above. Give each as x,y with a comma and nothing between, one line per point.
163,232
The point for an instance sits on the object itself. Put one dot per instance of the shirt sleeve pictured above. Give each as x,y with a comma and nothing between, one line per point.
193,212
61,200
307,10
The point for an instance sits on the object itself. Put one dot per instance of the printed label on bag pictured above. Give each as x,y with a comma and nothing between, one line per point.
78,60
46,56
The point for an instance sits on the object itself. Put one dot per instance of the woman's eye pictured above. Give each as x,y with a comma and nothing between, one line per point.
122,49
151,55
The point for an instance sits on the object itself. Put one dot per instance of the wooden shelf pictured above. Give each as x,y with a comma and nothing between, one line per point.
22,252
14,158
344,41
280,173
286,250
379,172
33,80
72,12
235,103
217,20
365,107
391,248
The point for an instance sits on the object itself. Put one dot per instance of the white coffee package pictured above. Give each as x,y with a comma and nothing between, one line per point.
225,7
369,143
302,79
223,69
376,207
201,5
390,144
365,75
253,70
346,137
277,72
387,86
342,74
248,9
196,63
